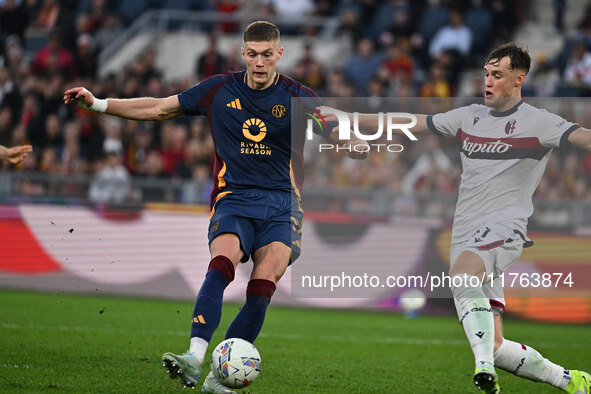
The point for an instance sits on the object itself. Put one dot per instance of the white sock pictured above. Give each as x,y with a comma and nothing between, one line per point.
476,317
526,362
198,347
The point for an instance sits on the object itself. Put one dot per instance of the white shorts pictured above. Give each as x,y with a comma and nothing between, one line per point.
499,246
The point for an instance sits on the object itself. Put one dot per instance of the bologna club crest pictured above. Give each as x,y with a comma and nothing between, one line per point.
510,127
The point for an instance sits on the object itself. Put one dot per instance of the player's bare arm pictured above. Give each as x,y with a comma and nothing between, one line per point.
143,108
15,154
581,138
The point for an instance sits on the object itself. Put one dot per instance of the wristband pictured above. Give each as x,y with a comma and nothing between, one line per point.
99,105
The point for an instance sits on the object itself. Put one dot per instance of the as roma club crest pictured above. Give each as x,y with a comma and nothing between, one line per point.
278,111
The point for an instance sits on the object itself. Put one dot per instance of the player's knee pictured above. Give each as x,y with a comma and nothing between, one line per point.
498,341
271,276
467,263
498,332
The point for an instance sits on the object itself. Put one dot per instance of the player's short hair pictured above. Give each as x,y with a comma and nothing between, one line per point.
519,58
261,31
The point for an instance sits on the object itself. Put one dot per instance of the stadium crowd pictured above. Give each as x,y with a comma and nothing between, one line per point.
402,49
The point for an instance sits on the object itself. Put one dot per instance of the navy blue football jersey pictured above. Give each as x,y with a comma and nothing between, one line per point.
251,131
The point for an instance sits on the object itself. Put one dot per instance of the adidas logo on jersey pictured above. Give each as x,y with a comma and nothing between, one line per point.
234,104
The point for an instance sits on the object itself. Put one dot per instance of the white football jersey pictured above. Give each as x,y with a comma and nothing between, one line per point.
503,155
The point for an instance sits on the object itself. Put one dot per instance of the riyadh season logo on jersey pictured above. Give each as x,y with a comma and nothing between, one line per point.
254,130
346,132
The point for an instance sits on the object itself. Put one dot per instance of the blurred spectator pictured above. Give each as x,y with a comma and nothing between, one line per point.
19,136
398,61
9,95
111,127
211,62
6,124
110,29
14,18
436,85
431,19
479,19
200,148
86,61
97,14
173,142
145,67
49,160
138,148
12,55
72,157
505,18
53,132
388,15
401,27
349,27
228,7
454,37
82,24
47,16
54,59
308,70
151,170
292,12
198,189
578,69
234,59
112,183
362,65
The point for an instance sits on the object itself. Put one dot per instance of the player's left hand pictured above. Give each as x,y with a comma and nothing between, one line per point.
356,154
17,153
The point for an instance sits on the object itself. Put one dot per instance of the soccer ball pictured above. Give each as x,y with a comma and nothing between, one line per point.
235,363
412,301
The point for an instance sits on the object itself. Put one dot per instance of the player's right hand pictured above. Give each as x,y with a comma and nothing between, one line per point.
79,95
17,153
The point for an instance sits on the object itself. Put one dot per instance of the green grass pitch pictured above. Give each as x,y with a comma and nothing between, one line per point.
53,342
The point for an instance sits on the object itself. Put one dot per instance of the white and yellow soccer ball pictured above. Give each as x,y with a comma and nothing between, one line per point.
235,363
412,301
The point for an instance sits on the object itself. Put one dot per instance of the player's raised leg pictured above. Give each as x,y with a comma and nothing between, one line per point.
526,362
226,254
476,317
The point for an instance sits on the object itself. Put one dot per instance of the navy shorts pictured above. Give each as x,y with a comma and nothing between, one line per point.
258,217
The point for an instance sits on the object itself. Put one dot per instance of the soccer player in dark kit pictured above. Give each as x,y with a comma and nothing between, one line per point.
258,171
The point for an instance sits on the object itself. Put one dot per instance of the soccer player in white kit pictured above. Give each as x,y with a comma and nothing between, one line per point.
505,145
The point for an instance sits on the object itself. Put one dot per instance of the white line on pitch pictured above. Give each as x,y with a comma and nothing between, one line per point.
270,335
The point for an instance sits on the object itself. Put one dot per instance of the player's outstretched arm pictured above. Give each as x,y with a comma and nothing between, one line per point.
15,154
581,137
143,108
